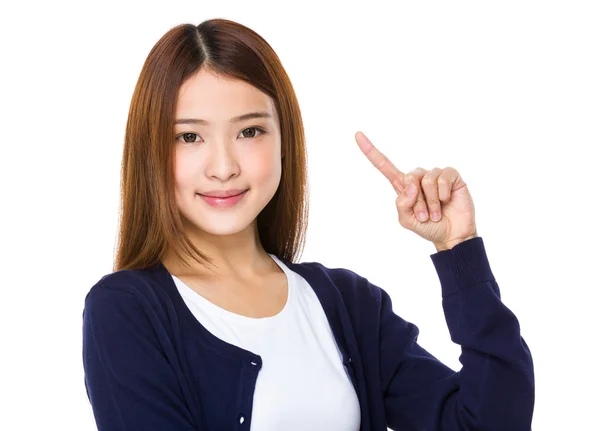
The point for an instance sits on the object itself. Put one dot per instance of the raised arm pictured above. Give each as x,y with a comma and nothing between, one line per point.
494,390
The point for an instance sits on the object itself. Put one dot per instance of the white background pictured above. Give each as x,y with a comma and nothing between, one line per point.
506,92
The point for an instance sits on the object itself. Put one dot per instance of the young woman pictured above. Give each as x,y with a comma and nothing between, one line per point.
207,323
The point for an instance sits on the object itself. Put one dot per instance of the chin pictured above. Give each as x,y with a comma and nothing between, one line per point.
223,230
219,226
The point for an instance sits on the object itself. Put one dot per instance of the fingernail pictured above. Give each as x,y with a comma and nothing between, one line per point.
435,216
411,189
422,216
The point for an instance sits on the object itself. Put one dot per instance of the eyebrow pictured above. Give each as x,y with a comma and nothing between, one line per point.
247,116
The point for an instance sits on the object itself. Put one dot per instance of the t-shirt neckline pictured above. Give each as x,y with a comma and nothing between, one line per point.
222,313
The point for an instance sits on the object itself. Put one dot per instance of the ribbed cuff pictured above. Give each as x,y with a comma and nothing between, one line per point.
464,265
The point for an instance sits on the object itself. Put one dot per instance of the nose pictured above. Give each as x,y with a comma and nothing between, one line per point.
222,162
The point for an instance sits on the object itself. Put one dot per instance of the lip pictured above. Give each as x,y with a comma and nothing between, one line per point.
223,193
223,202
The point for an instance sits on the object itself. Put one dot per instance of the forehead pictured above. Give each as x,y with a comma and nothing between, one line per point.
219,98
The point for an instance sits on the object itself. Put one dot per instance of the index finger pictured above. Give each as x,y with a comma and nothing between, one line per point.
380,161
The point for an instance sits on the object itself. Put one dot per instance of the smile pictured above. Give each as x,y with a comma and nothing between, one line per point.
222,202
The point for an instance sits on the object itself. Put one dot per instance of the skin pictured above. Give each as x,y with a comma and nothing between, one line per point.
441,194
222,155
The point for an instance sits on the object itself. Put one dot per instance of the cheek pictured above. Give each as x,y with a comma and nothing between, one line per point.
184,172
264,167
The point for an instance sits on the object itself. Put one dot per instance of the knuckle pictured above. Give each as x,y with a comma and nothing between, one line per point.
432,176
381,164
428,180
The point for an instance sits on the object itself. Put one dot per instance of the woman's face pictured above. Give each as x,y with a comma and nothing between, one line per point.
216,152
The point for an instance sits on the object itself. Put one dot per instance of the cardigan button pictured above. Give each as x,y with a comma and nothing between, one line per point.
242,419
349,359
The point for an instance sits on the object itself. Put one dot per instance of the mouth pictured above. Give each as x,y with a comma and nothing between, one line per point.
222,202
222,197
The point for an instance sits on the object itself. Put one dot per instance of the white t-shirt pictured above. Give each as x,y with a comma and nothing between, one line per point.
302,384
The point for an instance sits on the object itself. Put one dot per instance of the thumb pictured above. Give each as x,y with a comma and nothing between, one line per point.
405,203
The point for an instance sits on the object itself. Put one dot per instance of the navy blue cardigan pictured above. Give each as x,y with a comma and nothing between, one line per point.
150,365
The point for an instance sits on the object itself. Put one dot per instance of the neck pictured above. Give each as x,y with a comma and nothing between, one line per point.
238,256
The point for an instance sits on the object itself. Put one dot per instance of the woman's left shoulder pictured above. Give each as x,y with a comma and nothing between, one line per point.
353,287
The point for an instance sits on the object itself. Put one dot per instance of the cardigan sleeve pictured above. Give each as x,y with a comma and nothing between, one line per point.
493,391
129,381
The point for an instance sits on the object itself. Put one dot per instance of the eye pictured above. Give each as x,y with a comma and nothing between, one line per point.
250,132
252,135
187,136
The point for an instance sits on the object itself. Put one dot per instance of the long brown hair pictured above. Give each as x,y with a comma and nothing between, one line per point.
150,224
